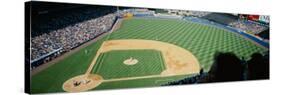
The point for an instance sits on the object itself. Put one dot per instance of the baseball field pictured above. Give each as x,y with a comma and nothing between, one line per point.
142,52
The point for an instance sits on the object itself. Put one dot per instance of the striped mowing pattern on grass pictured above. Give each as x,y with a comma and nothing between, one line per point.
202,40
110,64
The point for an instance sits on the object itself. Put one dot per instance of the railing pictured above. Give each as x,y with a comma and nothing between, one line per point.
55,51
46,55
232,29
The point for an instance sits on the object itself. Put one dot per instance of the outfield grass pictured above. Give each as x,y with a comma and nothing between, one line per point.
201,40
110,64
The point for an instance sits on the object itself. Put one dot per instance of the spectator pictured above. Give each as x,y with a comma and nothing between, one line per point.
258,67
248,26
227,67
70,36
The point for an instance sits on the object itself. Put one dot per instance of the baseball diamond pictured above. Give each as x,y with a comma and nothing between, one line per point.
165,50
150,63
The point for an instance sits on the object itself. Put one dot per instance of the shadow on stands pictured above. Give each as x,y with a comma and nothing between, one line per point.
222,18
50,16
258,67
229,67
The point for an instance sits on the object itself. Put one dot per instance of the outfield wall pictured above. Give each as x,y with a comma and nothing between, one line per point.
199,41
241,32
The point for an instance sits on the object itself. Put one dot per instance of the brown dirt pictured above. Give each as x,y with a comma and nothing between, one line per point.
178,61
130,61
87,82
56,60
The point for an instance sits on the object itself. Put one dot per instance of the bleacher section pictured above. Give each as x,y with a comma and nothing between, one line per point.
56,32
48,16
227,27
221,18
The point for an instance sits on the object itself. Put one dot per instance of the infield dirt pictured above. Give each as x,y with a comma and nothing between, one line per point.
178,61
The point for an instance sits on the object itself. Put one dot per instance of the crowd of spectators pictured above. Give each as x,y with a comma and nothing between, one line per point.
44,22
228,67
248,26
197,13
70,36
222,18
190,80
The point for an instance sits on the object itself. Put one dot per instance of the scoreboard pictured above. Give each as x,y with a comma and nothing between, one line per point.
259,18
264,18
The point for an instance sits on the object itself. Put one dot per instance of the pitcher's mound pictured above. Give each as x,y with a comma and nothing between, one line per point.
130,61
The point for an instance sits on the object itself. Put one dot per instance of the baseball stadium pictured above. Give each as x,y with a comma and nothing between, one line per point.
76,47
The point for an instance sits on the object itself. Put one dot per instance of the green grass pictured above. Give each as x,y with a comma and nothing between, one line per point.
52,79
110,64
144,82
203,41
